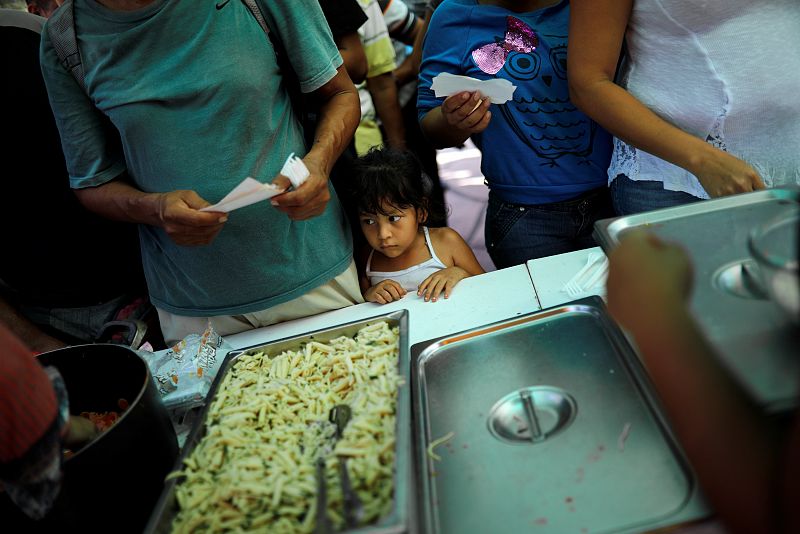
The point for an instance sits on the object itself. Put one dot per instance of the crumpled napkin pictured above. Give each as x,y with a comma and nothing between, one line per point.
498,90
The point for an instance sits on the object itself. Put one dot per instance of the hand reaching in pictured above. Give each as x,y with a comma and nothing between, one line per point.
646,277
385,292
722,174
80,431
444,280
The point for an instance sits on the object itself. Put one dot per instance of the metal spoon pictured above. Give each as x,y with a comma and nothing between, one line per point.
353,509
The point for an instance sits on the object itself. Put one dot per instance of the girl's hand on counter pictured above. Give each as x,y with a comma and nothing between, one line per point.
444,280
385,292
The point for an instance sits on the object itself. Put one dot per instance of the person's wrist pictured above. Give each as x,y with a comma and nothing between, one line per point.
698,157
654,322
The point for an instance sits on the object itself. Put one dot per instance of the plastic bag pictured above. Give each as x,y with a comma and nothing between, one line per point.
185,372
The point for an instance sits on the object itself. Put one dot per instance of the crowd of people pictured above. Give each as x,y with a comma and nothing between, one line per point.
130,116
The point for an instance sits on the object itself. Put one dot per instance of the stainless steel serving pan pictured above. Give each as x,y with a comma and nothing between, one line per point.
754,338
397,521
554,426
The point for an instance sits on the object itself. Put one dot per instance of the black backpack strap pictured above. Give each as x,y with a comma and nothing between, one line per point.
61,29
306,111
252,6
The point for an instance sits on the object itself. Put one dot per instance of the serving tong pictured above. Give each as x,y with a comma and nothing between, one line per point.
353,509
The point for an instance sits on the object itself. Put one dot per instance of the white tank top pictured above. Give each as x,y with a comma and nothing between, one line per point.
412,277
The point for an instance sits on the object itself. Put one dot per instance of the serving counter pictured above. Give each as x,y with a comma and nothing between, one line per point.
494,297
475,301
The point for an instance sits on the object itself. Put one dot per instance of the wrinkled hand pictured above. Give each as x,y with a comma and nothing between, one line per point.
80,431
468,112
444,280
179,217
384,292
722,174
648,279
308,200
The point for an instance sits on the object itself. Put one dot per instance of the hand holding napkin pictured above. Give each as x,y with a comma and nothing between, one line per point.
250,190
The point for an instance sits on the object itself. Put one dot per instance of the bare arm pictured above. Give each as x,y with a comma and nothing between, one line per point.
409,69
355,60
459,116
339,116
461,254
596,32
176,212
461,261
29,333
737,454
383,90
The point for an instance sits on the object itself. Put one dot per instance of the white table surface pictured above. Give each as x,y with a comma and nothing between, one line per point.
475,301
551,273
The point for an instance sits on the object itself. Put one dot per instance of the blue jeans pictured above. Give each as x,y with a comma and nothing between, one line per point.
636,196
516,233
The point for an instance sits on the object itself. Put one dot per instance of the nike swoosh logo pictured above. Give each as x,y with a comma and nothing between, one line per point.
220,5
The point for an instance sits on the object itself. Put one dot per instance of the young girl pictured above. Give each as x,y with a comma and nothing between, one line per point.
393,199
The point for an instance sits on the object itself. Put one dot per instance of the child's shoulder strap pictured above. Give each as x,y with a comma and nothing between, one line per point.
61,29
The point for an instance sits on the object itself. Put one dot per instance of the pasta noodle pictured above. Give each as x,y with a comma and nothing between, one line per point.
254,470
435,443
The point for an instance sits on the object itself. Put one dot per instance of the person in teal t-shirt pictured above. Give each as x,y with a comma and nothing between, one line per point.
185,100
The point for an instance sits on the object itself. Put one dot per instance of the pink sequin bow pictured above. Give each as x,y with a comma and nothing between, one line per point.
519,37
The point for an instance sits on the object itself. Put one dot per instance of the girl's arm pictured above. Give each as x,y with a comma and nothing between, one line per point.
596,30
461,261
461,253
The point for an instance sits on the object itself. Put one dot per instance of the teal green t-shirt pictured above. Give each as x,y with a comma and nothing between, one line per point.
188,95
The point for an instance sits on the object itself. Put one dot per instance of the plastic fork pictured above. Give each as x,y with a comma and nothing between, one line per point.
597,276
574,287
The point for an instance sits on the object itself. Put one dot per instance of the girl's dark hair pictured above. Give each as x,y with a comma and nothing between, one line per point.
394,176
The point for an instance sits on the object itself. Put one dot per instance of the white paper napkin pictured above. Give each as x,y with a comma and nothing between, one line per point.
250,190
498,90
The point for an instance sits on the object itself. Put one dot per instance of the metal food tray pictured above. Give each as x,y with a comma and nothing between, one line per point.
754,338
598,456
397,521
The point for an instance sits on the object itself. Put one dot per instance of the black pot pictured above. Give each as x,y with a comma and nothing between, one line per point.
111,484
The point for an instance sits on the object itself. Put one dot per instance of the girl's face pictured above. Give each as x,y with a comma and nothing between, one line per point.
391,234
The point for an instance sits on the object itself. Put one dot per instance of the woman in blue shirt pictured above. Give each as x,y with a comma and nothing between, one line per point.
545,162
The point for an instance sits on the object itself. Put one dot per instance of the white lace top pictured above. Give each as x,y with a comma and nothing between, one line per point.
410,278
727,71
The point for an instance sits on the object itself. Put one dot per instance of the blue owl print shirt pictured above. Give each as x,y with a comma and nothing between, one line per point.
538,147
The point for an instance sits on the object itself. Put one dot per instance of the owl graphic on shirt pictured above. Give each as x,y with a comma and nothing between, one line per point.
540,113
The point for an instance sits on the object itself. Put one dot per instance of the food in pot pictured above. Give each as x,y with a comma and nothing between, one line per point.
102,421
255,467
